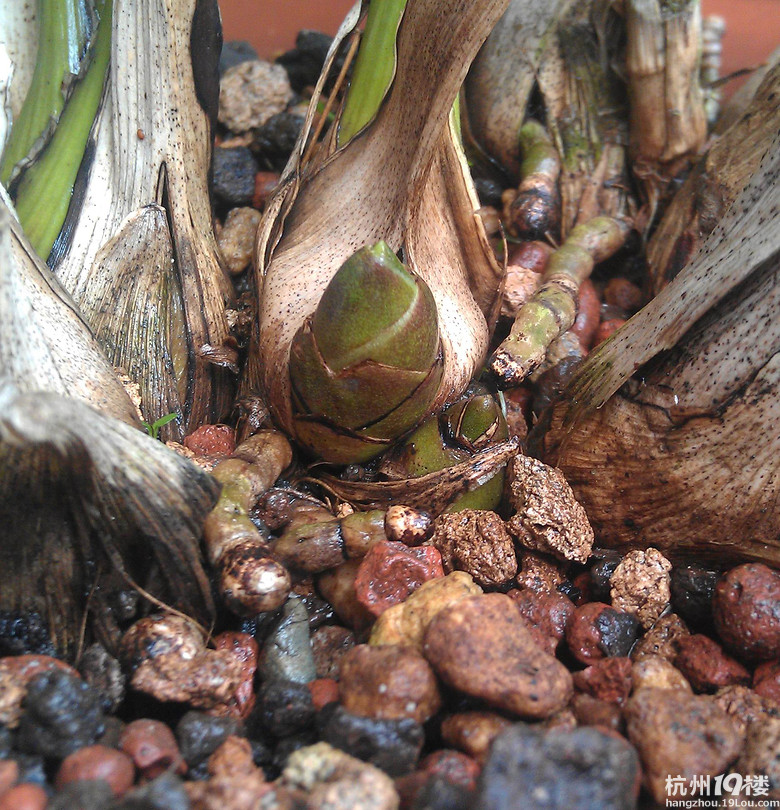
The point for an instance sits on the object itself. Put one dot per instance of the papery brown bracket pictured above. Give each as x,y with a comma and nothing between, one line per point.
433,492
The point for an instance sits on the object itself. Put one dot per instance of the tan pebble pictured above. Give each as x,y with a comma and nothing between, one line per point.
337,587
681,734
388,682
405,524
233,758
237,238
481,647
759,757
24,797
657,672
473,732
641,585
96,762
252,92
662,638
476,541
745,706
591,711
406,623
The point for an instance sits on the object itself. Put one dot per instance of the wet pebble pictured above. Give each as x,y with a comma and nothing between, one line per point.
388,682
287,654
200,734
596,630
250,93
392,745
693,588
745,609
600,573
588,314
482,648
706,666
152,747
548,611
476,541
337,586
329,645
679,734
390,572
97,763
407,525
640,585
608,679
234,171
473,732
62,713
217,441
583,768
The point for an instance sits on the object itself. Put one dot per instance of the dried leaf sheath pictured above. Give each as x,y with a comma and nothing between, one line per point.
362,193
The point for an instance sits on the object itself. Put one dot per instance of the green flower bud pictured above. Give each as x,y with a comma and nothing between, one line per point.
366,366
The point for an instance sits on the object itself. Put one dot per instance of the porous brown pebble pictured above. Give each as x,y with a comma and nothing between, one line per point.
244,648
745,609
548,518
744,706
476,541
329,644
237,237
549,611
407,525
406,623
473,732
482,648
596,630
212,441
641,585
390,572
96,762
591,711
680,735
25,796
706,667
657,672
152,747
663,638
608,679
250,93
388,682
761,753
539,573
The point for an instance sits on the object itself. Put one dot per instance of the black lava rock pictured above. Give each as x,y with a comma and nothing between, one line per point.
6,741
601,572
92,795
489,190
618,632
103,672
583,768
234,170
276,139
24,633
164,793
438,793
283,708
62,713
692,590
199,735
32,768
392,745
285,747
234,53
304,62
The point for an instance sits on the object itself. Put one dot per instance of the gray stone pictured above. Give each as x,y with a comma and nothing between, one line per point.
287,654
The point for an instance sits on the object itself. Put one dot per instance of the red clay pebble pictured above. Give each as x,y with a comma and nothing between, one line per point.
392,571
473,732
549,611
9,774
481,647
591,711
212,441
96,762
265,183
152,747
588,314
608,679
323,691
597,630
606,328
245,648
26,796
533,255
703,662
766,680
388,682
745,609
454,766
620,292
